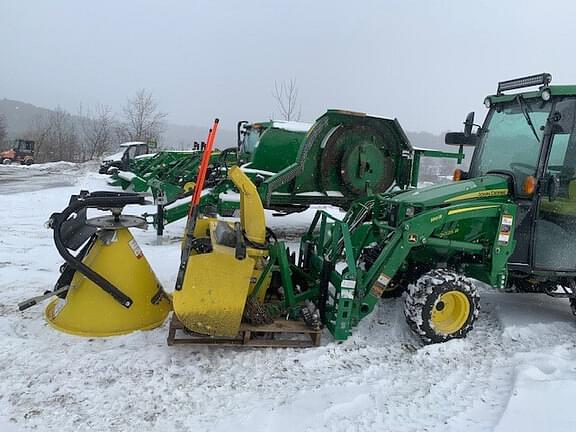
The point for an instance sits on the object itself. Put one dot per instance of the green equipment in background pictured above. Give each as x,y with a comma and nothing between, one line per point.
343,156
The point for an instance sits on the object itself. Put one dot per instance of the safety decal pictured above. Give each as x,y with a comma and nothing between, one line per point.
135,248
505,229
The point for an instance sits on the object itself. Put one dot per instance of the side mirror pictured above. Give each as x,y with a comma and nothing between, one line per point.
460,138
468,123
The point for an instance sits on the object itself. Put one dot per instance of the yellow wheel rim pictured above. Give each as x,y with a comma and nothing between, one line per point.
188,186
450,312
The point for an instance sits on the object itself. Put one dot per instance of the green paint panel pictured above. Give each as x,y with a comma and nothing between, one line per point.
276,149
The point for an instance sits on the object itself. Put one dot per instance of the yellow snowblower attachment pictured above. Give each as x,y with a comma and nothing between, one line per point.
217,284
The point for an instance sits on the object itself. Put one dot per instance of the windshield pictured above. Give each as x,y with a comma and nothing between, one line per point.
251,139
508,142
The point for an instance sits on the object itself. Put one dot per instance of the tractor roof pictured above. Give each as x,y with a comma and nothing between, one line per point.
555,90
545,90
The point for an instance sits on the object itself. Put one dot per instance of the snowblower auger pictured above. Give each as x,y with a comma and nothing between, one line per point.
108,287
224,266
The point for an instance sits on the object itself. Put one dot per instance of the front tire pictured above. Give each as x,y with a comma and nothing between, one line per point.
442,305
7,161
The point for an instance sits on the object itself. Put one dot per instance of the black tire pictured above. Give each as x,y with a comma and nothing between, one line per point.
573,306
427,296
6,161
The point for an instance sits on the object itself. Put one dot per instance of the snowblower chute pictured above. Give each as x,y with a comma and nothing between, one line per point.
224,266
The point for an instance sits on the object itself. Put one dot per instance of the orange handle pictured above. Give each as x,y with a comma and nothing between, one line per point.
201,177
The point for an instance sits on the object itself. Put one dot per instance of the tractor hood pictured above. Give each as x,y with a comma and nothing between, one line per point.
485,187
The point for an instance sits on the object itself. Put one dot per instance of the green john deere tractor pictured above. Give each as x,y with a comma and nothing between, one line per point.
510,221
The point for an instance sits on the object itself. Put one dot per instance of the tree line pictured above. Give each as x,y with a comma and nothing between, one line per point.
87,134
60,135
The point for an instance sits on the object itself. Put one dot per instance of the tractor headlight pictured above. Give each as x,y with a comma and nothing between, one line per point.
487,103
546,95
409,212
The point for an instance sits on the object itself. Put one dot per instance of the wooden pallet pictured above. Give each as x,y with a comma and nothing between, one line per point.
280,334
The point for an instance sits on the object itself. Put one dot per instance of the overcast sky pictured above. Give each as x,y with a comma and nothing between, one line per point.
425,62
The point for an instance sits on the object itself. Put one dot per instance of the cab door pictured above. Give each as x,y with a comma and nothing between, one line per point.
554,234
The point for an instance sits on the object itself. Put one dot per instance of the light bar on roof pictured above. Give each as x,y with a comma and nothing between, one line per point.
529,81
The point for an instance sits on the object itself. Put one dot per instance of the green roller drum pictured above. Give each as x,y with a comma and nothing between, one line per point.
345,155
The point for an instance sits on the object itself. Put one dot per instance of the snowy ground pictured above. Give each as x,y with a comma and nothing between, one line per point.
515,372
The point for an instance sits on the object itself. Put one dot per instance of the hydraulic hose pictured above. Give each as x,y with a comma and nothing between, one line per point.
102,200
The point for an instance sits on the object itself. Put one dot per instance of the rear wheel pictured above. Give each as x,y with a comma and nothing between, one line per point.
7,161
442,305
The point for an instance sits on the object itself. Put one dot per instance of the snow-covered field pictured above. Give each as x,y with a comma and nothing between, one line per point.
515,372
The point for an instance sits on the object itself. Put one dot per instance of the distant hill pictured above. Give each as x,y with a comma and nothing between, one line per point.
427,140
182,137
21,116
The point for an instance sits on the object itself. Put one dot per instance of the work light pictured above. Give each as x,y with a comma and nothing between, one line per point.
529,81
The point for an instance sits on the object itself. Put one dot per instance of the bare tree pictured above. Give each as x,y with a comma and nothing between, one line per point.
286,96
142,120
56,137
3,131
63,136
39,132
97,128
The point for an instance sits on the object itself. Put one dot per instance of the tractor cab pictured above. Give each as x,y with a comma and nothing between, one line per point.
529,138
24,147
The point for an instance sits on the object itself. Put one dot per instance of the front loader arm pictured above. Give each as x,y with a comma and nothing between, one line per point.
418,232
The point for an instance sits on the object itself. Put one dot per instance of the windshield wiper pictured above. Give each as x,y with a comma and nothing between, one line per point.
522,104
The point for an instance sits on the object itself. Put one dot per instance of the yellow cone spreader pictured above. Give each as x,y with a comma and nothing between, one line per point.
108,287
